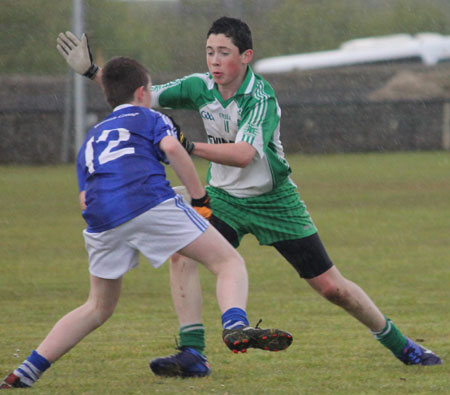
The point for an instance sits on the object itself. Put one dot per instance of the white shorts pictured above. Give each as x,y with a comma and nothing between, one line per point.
157,234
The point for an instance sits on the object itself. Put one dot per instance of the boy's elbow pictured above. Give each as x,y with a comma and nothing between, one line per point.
244,162
170,145
245,156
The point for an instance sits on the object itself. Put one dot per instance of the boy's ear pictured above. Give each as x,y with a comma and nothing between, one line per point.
139,93
247,56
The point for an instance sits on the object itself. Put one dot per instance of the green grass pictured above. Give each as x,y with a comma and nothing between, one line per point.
384,218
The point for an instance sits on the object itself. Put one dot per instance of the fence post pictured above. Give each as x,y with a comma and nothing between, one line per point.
446,126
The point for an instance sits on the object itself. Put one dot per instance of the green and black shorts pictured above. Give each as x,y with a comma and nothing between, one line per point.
278,218
271,217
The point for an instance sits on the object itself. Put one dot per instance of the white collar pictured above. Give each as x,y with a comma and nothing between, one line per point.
122,106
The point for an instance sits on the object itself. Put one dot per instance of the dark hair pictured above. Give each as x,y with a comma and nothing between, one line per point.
121,77
233,28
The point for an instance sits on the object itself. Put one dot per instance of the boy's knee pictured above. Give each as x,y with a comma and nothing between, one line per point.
337,294
103,314
178,261
100,312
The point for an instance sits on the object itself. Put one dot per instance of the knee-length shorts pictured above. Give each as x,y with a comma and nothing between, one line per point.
157,234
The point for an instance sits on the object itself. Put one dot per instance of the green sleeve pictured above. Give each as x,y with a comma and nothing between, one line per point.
183,93
260,118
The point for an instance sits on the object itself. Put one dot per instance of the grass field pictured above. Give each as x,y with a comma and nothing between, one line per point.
384,218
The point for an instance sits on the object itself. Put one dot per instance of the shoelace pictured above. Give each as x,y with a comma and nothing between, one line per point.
413,354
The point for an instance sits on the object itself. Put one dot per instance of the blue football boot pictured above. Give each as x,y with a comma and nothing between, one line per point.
187,363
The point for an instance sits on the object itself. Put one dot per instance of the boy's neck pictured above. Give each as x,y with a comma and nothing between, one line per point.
229,90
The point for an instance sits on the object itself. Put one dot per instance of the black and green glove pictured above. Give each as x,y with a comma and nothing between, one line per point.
187,144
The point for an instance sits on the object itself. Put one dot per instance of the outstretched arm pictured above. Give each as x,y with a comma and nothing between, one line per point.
238,154
78,56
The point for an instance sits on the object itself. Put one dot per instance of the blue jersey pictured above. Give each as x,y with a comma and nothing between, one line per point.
119,166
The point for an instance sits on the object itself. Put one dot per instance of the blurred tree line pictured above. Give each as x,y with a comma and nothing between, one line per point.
169,36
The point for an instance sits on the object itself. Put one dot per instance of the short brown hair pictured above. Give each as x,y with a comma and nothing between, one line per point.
121,77
235,29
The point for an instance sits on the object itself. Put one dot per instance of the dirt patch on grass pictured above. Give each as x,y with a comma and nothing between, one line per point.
410,85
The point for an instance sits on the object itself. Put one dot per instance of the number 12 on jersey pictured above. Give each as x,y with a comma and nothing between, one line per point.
107,154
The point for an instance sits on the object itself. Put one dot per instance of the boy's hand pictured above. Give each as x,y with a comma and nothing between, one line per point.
202,206
77,54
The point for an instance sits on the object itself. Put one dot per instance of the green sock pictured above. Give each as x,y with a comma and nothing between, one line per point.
193,336
391,337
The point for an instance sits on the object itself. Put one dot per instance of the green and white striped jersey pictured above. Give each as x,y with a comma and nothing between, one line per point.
251,115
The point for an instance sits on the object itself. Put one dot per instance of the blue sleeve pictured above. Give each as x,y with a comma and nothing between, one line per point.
163,127
81,166
165,123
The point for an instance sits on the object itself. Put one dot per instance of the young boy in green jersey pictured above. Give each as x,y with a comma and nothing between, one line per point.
250,187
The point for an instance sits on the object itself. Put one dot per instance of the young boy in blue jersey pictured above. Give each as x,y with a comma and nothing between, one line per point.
249,180
129,207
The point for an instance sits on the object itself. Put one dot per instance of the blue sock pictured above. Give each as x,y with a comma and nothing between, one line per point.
32,368
234,318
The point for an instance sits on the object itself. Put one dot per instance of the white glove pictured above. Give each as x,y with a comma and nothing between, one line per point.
77,54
